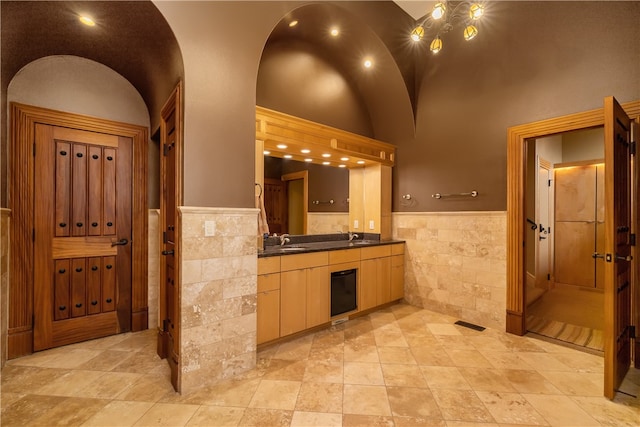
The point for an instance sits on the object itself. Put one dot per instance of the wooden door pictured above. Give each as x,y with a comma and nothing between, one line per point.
275,203
543,241
169,334
293,301
617,282
82,234
318,296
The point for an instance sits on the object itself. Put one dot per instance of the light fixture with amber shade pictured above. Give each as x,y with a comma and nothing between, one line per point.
444,17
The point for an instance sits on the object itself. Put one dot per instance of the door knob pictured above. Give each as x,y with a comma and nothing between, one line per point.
120,242
623,258
169,252
597,255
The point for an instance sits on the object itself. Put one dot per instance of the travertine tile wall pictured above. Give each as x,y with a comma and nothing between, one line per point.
455,263
218,294
327,222
4,282
153,277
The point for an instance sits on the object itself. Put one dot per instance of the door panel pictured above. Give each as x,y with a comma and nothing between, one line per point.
543,237
617,283
72,303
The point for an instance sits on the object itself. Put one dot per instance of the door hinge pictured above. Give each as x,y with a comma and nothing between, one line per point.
164,237
549,182
632,239
548,276
632,332
165,325
632,148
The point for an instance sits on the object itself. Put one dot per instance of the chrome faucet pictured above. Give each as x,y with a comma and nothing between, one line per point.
352,236
284,238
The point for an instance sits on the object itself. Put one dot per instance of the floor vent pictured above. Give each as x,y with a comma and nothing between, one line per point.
470,325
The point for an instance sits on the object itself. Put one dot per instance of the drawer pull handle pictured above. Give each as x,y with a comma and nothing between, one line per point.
62,308
109,300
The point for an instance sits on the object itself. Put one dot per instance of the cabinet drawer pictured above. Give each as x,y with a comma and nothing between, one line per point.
268,282
397,260
375,252
397,249
269,265
344,255
295,262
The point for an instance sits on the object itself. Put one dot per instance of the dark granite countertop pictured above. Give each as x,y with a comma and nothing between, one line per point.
299,246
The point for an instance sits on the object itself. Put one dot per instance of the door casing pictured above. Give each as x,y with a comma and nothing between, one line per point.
21,203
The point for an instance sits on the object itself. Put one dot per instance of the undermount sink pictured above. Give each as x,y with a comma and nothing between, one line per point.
291,248
362,242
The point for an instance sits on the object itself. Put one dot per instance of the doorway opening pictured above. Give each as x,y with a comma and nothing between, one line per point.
565,218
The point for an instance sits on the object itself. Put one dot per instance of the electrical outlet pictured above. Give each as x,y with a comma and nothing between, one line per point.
209,228
371,225
356,224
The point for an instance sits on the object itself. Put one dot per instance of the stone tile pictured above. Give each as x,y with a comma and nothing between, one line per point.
26,379
403,375
70,384
105,360
432,356
412,402
360,353
468,358
445,377
146,389
450,404
276,394
443,329
73,411
23,411
510,408
560,410
288,370
260,417
610,413
353,420
543,362
363,373
318,419
396,355
320,397
207,416
505,360
295,350
119,413
365,400
324,372
487,379
109,385
575,383
167,414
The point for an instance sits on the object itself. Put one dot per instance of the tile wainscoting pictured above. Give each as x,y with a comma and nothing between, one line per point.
218,294
327,222
455,263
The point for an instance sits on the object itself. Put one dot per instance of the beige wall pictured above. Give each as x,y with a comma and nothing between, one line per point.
455,263
327,222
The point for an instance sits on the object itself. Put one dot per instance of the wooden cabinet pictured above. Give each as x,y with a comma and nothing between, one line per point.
375,279
268,302
397,277
305,292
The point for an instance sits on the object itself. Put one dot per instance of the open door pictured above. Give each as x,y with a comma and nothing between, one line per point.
617,256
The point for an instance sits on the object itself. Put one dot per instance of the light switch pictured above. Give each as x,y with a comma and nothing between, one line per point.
356,224
209,228
371,225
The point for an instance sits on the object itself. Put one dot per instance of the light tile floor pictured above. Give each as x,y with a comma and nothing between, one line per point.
401,366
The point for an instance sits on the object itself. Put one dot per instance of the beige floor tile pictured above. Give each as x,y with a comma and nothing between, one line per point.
167,414
445,377
119,414
582,362
413,402
146,389
260,417
207,416
610,413
295,350
575,383
106,360
140,363
525,381
505,360
365,400
543,362
324,372
396,355
403,375
318,419
431,356
363,373
354,352
487,379
354,420
455,342
451,423
23,411
560,410
333,354
468,358
390,338
418,422
71,412
9,398
420,338
443,329
71,383
360,338
110,385
510,408
289,370
327,338
320,397
276,394
486,343
26,379
452,408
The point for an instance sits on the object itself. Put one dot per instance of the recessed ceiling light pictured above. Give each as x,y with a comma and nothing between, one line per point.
368,63
344,159
287,156
87,21
305,151
308,160
326,155
293,23
342,166
360,162
281,146
266,152
334,31
326,163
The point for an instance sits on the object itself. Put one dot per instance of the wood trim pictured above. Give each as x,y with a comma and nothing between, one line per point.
304,176
21,189
516,179
579,163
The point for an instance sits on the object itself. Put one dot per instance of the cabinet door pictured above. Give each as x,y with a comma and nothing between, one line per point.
293,298
397,277
318,296
368,284
268,313
383,280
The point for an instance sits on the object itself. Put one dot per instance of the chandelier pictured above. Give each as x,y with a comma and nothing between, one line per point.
444,16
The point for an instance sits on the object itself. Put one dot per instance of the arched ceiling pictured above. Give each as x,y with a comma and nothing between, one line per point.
131,37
